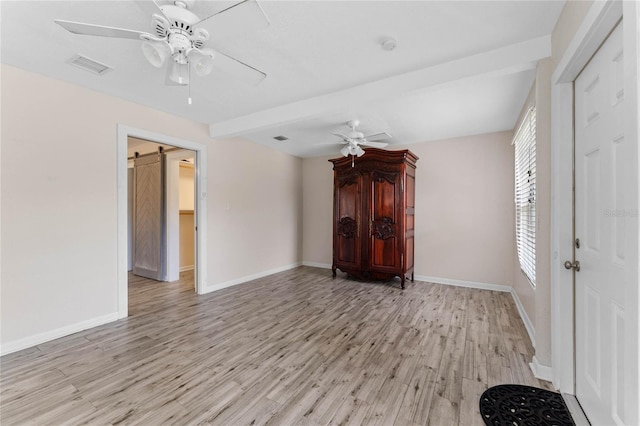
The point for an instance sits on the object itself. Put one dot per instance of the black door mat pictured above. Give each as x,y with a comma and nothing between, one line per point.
517,405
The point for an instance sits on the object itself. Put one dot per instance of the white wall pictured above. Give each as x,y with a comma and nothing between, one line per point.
59,248
464,209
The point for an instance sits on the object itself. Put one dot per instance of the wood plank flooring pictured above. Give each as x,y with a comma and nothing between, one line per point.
294,348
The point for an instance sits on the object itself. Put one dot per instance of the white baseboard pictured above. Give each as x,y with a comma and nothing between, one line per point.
220,286
542,372
462,283
525,318
187,268
487,286
27,342
317,265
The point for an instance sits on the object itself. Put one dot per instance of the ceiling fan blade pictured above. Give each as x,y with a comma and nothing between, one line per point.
344,137
150,7
378,137
238,69
99,30
237,19
375,144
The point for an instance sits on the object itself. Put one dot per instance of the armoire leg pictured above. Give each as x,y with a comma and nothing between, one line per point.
402,281
333,272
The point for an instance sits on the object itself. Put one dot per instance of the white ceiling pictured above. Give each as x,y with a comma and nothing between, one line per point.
460,67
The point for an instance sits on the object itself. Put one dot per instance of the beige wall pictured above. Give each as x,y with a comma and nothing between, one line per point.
187,236
186,186
537,302
464,209
59,224
317,211
186,190
568,23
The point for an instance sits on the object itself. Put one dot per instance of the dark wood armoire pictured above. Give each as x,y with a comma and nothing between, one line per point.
373,214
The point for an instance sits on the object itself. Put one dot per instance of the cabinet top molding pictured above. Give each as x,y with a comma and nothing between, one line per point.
377,154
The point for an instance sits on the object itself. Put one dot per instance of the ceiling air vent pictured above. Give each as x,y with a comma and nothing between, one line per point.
90,65
281,138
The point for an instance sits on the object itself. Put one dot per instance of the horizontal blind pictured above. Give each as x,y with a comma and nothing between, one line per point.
525,194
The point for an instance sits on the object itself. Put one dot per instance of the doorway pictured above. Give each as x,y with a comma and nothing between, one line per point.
602,163
161,210
199,200
567,318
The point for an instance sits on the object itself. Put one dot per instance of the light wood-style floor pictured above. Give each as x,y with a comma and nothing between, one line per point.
296,347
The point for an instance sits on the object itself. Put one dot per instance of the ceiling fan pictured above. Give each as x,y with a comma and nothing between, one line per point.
355,140
179,37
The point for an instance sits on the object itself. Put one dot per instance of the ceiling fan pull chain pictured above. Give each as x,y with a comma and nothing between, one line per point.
189,81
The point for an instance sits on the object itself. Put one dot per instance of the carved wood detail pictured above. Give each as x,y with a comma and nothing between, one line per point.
380,176
384,228
347,227
348,179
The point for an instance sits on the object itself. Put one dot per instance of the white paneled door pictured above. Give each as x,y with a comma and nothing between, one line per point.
603,162
149,216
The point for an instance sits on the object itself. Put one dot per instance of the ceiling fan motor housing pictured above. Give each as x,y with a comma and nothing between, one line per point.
180,18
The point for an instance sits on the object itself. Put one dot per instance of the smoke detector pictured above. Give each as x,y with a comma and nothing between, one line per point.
389,43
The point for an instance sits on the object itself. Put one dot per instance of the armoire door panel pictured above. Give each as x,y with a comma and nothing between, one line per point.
385,191
349,205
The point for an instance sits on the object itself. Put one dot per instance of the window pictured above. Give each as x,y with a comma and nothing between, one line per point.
525,194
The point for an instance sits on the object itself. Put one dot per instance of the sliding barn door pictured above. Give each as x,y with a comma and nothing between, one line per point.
149,217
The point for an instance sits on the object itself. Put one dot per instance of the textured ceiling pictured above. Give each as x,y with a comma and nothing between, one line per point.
314,54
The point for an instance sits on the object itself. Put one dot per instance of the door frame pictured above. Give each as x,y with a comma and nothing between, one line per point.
200,272
600,20
172,213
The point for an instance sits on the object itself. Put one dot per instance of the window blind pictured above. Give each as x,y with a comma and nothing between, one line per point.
525,194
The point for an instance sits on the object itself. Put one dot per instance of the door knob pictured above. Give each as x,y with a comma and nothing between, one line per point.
572,265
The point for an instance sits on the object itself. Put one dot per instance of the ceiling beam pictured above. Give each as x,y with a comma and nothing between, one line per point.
505,60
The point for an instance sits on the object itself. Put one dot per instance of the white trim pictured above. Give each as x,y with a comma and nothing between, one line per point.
37,339
186,268
462,283
200,207
528,325
220,286
577,415
597,24
316,264
542,372
172,209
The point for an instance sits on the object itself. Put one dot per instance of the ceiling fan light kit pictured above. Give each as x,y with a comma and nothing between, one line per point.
354,140
180,36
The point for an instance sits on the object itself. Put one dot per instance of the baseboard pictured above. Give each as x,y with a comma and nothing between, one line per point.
487,286
187,268
525,318
37,339
542,372
220,286
317,265
462,283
